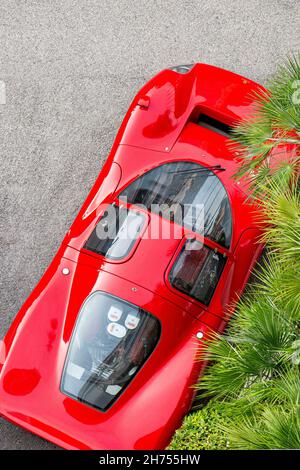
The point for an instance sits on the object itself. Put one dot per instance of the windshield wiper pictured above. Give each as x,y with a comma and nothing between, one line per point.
200,170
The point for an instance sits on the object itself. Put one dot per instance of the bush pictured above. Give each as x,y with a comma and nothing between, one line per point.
203,429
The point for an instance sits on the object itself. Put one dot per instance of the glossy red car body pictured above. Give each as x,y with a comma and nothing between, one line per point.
158,128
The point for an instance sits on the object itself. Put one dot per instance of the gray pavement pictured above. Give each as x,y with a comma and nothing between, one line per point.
71,69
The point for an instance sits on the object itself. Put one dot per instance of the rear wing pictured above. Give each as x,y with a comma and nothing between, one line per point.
169,100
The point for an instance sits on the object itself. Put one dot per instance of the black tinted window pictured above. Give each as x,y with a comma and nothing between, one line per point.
111,341
197,270
115,233
184,183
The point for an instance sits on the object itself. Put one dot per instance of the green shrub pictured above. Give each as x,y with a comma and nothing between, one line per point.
203,429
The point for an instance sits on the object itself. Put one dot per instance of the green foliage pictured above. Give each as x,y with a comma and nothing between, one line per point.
280,280
278,106
276,428
203,429
254,375
275,123
254,349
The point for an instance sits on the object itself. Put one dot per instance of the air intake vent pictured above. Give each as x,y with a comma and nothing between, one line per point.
214,125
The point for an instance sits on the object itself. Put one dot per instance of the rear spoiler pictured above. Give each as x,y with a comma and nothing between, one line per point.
169,100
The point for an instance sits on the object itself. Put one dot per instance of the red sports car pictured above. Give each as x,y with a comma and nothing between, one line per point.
103,354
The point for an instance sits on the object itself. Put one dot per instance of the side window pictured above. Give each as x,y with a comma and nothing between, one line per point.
197,270
116,232
182,184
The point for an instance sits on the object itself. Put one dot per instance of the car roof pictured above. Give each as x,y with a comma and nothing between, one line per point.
162,126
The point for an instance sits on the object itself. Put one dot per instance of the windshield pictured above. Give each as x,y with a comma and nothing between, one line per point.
111,341
184,184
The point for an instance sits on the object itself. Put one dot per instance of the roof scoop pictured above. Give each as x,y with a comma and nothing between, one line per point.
182,68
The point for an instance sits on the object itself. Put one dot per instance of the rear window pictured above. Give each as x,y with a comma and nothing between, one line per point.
197,270
111,341
181,184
